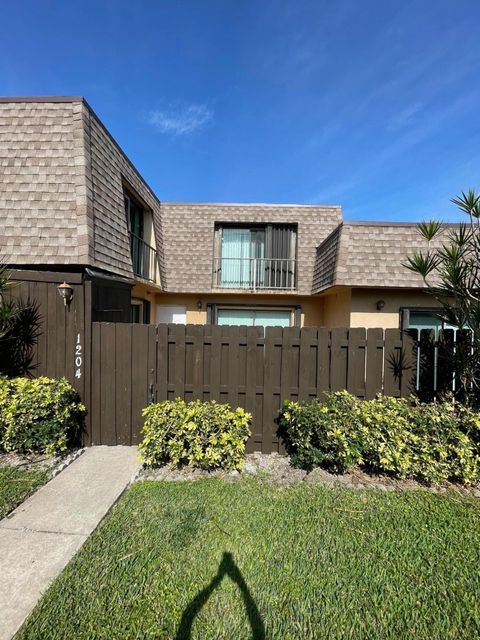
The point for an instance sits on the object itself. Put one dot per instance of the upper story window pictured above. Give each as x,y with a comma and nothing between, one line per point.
255,257
136,226
144,256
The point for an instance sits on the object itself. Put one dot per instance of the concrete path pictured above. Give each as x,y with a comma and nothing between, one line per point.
39,538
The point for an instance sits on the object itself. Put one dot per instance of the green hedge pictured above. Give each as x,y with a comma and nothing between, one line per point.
207,435
429,442
39,414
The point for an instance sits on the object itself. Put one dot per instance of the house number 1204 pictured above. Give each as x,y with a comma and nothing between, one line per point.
78,357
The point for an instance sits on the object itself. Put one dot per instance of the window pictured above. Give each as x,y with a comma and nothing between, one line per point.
136,226
140,311
136,313
255,317
255,257
416,320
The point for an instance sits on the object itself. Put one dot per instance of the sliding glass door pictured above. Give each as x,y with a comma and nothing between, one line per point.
257,257
242,252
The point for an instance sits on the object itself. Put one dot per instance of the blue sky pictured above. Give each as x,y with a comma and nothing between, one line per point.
371,104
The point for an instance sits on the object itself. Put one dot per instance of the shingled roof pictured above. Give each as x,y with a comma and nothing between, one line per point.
369,254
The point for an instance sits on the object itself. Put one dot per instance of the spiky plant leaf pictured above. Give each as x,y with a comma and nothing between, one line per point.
429,229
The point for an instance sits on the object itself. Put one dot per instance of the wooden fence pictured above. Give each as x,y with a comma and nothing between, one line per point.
133,365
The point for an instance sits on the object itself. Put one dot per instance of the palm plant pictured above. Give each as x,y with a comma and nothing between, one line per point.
451,273
19,330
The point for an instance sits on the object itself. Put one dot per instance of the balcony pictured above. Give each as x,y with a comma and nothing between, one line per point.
144,259
254,273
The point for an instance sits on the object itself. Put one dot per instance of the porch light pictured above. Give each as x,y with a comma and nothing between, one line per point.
66,292
380,304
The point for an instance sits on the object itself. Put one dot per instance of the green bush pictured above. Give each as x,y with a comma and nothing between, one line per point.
385,435
430,442
6,385
207,435
39,414
321,434
443,449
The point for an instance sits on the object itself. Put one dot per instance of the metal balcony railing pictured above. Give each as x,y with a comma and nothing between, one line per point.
144,259
254,273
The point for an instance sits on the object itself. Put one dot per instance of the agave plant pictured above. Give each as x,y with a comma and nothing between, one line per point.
451,273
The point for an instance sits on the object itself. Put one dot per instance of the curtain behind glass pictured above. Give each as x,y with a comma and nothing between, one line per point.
236,257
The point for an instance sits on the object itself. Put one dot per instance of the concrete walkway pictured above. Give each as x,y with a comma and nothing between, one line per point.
39,538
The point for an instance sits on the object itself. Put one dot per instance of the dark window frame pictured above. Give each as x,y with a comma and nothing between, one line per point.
144,307
213,307
405,314
275,269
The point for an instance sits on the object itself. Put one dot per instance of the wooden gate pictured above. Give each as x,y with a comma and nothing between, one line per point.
133,365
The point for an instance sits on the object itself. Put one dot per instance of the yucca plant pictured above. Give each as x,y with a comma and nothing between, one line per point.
451,273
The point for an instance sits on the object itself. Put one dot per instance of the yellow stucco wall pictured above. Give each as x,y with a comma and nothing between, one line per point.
337,308
364,311
342,307
311,307
144,292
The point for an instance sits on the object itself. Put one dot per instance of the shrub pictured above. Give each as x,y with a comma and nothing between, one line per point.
429,442
321,433
443,449
385,435
207,435
5,391
39,414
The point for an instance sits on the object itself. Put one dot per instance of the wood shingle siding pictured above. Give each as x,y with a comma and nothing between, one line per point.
370,254
188,235
62,177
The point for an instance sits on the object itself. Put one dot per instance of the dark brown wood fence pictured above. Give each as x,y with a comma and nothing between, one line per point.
133,365
120,368
63,347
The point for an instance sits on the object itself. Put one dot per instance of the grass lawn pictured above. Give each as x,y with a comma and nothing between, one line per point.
16,485
212,559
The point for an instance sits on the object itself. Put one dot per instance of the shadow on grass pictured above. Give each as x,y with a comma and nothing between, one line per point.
227,568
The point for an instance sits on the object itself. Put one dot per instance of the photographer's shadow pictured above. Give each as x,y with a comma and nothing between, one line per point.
227,568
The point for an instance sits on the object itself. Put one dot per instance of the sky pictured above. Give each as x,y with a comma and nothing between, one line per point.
370,104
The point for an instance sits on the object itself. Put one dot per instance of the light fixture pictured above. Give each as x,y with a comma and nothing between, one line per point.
66,292
199,305
380,304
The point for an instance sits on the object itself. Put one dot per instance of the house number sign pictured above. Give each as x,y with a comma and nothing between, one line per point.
78,357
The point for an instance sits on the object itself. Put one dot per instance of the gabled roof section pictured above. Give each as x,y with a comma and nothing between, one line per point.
369,254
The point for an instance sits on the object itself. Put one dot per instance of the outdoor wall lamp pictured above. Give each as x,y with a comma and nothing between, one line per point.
66,292
380,304
199,305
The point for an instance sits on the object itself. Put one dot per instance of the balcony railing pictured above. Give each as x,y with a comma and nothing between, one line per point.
254,273
144,259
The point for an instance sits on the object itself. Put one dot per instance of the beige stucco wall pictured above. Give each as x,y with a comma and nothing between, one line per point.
343,307
337,306
145,292
364,311
311,308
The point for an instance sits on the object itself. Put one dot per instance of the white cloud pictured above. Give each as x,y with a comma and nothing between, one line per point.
406,116
179,119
